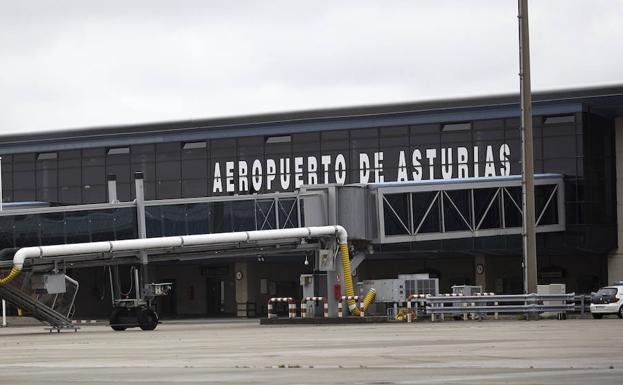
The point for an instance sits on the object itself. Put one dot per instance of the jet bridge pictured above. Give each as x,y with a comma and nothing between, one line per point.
397,212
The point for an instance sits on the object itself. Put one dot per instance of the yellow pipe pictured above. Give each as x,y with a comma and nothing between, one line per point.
348,280
348,284
14,272
368,299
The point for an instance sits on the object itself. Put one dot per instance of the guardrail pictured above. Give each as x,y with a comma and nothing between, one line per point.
583,303
518,304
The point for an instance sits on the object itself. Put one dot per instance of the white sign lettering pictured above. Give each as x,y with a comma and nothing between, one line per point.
418,164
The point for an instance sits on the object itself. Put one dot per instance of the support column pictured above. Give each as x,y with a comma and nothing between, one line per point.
615,260
242,289
480,272
112,188
142,228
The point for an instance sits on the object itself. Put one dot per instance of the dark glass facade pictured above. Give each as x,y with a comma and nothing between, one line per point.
220,217
579,149
93,225
580,146
55,228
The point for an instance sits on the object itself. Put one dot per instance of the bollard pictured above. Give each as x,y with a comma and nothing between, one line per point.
495,315
291,306
270,309
414,297
340,312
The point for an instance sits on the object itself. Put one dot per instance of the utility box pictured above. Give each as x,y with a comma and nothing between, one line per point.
307,282
158,289
466,290
387,290
420,284
326,260
553,288
392,292
314,285
398,290
48,283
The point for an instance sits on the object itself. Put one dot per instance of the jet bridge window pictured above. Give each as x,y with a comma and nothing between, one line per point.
446,211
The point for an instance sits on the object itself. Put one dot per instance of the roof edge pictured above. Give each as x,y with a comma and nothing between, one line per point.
552,95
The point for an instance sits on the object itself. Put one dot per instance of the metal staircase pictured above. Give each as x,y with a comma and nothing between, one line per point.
53,310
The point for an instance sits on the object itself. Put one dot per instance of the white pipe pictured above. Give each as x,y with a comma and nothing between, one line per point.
137,284
172,242
20,257
145,243
209,239
74,248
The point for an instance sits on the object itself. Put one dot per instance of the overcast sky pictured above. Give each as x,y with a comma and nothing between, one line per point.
70,64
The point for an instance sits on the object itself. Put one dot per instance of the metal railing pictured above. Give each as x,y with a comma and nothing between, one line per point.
517,304
39,310
63,303
583,303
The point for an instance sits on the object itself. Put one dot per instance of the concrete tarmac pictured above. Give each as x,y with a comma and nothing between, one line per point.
221,352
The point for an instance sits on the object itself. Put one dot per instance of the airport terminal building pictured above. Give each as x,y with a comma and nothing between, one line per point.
426,187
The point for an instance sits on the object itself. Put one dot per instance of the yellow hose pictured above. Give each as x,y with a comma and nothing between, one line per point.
368,299
348,284
14,272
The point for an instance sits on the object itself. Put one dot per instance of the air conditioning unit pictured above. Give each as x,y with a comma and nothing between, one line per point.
398,290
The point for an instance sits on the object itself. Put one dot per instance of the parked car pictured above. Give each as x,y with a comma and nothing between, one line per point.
608,300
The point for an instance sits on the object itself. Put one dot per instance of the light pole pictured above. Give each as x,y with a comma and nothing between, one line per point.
527,164
0,183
